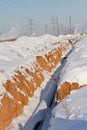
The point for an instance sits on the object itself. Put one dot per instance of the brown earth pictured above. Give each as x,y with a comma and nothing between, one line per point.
66,88
8,40
21,88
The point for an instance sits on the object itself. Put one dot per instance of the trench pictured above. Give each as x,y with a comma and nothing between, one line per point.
41,117
45,124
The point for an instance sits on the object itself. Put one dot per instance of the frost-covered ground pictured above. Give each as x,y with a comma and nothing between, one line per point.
71,112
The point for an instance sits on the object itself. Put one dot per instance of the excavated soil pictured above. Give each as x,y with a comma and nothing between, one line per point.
21,88
66,88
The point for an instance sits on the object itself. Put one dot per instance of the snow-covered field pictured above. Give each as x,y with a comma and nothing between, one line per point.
23,52
16,56
71,112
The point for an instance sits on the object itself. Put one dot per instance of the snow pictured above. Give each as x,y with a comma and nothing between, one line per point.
75,69
71,112
23,52
37,107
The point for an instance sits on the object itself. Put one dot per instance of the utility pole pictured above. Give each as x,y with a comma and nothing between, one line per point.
57,23
70,30
30,26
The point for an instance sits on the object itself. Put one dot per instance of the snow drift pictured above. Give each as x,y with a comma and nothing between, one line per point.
24,66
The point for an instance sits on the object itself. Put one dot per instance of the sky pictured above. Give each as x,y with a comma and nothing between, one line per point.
16,13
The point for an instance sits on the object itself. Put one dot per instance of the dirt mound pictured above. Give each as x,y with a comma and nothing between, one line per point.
66,88
21,88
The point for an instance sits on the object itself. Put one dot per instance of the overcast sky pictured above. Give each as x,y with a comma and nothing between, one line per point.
17,12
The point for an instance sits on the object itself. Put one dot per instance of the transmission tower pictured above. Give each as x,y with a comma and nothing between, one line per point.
53,26
70,24
57,24
46,28
30,23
